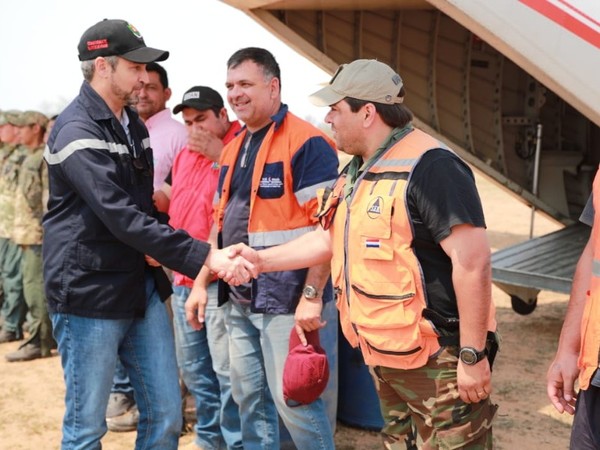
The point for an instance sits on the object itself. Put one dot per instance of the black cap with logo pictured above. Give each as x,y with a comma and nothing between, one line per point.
114,37
200,98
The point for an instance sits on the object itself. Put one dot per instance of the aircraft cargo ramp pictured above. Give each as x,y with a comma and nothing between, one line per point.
547,262
510,85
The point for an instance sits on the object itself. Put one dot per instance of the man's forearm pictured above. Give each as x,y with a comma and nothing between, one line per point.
469,251
317,276
473,297
309,250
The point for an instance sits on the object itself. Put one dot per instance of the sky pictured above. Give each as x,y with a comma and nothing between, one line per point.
40,68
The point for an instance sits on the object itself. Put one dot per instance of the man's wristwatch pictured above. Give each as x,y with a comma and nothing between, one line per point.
470,356
310,292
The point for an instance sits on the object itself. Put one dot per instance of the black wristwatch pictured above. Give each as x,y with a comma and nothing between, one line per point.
470,356
310,292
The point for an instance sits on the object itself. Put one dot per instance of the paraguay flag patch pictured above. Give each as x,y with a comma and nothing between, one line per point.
372,243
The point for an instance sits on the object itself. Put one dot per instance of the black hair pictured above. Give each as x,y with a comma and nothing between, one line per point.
216,110
260,56
160,70
396,116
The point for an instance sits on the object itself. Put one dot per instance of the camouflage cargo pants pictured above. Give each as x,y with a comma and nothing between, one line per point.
424,404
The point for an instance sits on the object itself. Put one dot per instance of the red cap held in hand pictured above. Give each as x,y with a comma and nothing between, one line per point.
306,371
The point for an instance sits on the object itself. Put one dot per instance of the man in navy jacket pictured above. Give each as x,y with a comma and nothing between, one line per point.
103,245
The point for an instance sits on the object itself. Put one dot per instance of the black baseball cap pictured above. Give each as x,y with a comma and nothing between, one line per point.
115,37
200,98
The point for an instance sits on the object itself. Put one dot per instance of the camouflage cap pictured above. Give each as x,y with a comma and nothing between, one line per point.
32,118
9,116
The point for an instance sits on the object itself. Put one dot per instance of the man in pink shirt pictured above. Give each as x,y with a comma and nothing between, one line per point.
167,135
188,193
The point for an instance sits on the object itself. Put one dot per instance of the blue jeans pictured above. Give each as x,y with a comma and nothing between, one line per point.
121,383
329,341
259,346
89,349
203,358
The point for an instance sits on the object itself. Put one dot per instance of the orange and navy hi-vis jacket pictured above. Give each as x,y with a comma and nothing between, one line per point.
590,323
378,278
294,160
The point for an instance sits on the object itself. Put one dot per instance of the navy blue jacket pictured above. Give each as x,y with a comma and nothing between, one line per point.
101,220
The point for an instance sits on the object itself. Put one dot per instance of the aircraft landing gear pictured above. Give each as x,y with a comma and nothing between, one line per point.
523,307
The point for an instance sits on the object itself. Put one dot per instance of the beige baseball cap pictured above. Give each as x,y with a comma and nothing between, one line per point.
363,79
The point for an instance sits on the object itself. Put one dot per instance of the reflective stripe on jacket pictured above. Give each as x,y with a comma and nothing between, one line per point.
378,278
590,323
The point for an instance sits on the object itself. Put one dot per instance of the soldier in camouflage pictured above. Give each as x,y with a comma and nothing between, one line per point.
12,155
30,204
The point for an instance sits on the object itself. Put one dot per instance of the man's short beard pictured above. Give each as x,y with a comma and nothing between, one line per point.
128,98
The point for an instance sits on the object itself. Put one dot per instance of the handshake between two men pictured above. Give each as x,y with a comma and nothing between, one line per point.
239,263
235,265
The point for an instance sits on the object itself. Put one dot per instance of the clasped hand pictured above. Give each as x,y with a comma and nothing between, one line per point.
233,264
248,255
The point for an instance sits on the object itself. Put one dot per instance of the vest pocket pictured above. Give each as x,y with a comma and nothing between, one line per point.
271,182
388,322
384,310
376,221
375,229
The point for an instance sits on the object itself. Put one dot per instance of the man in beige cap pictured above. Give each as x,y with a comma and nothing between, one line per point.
411,264
29,201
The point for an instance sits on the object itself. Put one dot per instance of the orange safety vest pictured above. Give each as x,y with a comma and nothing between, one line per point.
274,222
377,276
590,323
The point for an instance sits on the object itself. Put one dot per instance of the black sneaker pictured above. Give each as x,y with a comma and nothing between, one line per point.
26,353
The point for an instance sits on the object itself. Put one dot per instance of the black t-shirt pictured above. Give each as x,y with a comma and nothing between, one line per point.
441,194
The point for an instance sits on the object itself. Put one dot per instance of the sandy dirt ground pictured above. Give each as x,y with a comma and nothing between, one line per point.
31,393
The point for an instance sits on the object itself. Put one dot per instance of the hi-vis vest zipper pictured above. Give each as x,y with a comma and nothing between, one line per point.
378,279
590,323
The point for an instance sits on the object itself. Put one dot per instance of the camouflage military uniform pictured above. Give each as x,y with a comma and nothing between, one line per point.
443,421
29,209
4,152
14,307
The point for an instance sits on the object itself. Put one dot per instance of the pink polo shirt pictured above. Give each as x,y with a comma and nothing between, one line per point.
194,183
167,138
